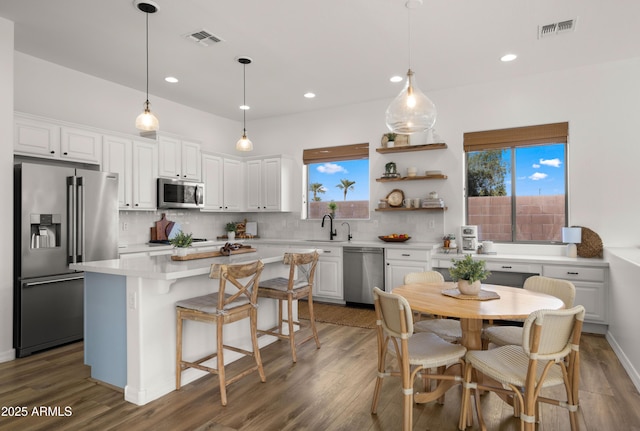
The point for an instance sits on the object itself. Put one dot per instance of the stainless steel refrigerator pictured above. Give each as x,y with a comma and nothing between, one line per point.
62,215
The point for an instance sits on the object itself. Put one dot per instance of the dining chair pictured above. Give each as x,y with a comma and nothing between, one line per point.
506,335
414,353
549,356
220,308
299,285
447,329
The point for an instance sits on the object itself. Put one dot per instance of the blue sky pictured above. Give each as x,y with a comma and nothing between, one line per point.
330,174
539,170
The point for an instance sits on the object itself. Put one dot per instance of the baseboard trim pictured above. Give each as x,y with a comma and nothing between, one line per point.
624,360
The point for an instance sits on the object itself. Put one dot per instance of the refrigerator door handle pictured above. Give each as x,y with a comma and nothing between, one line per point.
71,220
80,220
57,280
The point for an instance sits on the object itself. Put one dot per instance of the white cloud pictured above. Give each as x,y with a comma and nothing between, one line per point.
535,166
538,176
555,163
331,168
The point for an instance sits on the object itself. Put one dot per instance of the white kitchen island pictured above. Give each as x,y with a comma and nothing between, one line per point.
130,319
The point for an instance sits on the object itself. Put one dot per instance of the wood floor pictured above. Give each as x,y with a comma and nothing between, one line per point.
328,389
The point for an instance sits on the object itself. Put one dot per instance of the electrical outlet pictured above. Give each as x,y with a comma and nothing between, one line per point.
432,224
125,225
133,301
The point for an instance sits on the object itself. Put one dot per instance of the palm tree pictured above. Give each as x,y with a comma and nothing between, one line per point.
317,188
346,185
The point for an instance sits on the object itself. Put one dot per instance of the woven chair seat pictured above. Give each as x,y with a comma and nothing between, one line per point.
447,329
503,335
209,303
509,364
282,284
430,351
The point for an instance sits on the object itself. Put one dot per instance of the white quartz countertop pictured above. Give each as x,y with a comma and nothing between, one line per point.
163,268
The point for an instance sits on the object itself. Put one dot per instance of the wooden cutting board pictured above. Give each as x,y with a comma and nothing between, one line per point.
161,227
208,254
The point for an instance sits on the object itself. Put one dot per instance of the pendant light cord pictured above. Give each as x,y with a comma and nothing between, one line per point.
409,27
244,98
147,28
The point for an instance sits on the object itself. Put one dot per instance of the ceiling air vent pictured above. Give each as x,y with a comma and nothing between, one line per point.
556,28
203,37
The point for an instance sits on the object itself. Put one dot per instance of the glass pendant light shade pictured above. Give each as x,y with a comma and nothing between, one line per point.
244,144
147,121
411,111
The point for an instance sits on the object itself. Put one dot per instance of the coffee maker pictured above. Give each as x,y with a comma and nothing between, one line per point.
468,238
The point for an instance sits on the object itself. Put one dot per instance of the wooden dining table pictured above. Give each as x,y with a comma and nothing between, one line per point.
513,303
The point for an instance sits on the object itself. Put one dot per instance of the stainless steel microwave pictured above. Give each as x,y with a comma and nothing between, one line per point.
180,194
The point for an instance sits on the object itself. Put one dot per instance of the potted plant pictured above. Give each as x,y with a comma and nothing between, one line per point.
332,208
391,137
231,231
181,242
449,241
469,273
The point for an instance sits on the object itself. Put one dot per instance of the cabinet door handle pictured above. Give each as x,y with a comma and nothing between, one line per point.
65,153
52,152
506,267
572,273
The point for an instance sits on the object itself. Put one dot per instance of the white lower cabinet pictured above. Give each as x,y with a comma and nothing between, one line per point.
591,288
328,283
400,262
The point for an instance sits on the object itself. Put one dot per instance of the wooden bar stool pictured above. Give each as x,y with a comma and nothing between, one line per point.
302,266
221,308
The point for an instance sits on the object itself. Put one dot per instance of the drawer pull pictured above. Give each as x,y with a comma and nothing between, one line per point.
406,254
326,251
506,267
572,273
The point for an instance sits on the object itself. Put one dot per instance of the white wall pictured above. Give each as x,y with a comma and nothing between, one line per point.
6,177
599,102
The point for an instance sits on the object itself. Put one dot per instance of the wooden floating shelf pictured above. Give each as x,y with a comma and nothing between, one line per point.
412,209
423,177
407,148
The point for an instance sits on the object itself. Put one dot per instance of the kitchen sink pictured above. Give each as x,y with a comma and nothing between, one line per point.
324,240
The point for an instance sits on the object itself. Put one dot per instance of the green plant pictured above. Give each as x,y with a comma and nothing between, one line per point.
332,206
469,269
181,240
230,227
391,136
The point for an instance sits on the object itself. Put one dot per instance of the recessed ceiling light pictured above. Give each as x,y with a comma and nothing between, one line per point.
508,57
309,95
171,79
245,107
396,78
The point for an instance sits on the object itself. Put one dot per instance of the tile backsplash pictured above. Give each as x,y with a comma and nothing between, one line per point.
423,226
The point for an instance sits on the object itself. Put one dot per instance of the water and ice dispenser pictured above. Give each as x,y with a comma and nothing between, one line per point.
45,230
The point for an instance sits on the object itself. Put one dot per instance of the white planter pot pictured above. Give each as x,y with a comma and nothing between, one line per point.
467,288
181,251
231,236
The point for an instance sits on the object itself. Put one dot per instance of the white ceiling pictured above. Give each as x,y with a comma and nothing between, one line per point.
345,51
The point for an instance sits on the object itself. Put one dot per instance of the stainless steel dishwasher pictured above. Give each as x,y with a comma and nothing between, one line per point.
362,269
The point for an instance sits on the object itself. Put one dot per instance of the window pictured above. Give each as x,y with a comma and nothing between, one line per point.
337,181
516,183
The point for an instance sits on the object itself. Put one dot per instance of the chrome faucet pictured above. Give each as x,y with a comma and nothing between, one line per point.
349,234
332,232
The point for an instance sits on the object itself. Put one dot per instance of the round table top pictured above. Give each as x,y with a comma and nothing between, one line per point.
514,303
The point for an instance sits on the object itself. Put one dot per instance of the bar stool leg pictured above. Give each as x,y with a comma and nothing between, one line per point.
292,340
221,375
178,349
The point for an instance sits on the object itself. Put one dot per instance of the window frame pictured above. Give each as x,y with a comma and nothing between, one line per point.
339,153
512,139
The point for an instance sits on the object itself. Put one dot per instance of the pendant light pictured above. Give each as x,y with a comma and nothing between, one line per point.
244,144
147,121
411,111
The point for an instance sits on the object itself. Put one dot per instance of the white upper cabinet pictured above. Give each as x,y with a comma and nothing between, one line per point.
179,159
212,176
48,139
80,144
233,185
38,138
269,184
136,163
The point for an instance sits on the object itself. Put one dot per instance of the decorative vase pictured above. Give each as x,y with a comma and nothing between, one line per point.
467,288
231,236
